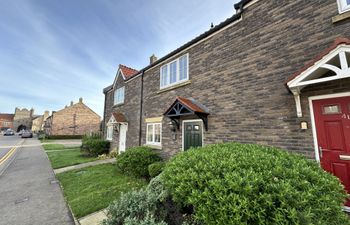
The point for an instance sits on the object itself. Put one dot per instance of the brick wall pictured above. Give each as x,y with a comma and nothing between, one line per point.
239,75
77,119
130,109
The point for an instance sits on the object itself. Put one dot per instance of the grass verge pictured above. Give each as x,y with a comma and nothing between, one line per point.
94,188
54,147
68,157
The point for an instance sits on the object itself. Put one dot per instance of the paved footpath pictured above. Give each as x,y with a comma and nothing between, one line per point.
29,192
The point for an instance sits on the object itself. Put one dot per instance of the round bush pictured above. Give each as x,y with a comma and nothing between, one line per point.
135,161
155,168
237,184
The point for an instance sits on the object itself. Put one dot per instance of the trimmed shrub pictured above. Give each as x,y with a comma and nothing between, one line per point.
60,137
233,183
95,147
138,205
148,220
135,161
155,168
151,205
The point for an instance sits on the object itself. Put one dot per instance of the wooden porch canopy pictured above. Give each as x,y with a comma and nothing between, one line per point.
117,117
186,107
332,64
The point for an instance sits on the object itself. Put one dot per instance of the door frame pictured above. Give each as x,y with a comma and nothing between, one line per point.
126,130
183,131
313,123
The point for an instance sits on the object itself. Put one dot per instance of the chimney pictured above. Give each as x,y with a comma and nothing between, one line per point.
71,103
152,59
80,100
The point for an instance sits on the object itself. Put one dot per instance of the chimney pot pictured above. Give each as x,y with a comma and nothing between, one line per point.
80,100
71,103
152,59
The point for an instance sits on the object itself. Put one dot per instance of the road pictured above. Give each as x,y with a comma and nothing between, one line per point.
6,143
29,192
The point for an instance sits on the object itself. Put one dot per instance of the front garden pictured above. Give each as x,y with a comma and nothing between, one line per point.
227,183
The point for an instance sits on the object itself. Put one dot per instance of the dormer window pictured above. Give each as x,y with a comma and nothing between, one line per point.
119,96
174,72
344,5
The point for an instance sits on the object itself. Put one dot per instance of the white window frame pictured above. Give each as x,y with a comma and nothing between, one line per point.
177,61
118,101
109,135
153,134
343,6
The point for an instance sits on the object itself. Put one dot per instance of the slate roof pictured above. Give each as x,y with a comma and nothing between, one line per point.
119,117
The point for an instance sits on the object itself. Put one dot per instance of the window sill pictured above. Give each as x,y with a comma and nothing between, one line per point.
119,104
174,86
343,16
158,147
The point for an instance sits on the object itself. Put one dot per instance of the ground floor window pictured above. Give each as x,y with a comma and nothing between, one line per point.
109,132
154,131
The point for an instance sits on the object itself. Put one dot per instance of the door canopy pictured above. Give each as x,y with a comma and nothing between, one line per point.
332,64
186,107
116,118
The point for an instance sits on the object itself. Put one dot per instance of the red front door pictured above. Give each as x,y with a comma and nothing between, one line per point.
332,118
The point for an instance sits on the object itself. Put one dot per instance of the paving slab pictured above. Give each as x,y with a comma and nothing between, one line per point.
29,191
83,165
94,218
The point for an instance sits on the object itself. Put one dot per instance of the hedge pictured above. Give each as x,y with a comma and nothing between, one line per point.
94,146
155,169
135,161
60,137
240,184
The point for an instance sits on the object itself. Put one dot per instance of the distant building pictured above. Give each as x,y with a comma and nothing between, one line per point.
6,121
76,119
39,121
22,119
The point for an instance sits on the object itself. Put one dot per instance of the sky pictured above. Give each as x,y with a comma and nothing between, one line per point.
53,52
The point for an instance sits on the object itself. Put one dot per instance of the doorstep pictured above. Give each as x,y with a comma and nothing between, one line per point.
94,218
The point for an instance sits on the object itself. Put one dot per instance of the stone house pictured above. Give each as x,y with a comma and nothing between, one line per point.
39,121
6,121
276,73
76,119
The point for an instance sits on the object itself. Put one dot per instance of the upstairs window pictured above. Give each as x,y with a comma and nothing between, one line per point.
174,72
344,5
119,96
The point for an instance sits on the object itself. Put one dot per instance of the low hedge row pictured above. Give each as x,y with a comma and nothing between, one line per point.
94,146
135,161
60,137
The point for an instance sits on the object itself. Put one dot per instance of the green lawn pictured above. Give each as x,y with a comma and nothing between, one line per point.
67,157
94,188
54,147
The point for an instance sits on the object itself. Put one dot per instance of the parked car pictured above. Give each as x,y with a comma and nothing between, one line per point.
27,134
9,132
20,132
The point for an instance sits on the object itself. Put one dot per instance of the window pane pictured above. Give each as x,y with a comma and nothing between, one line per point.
173,72
331,109
150,133
157,131
183,67
164,76
348,2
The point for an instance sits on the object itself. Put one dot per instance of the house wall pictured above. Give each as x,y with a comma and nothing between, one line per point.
86,121
239,75
130,109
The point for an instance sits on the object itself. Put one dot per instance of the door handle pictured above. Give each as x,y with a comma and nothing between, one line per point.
321,151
